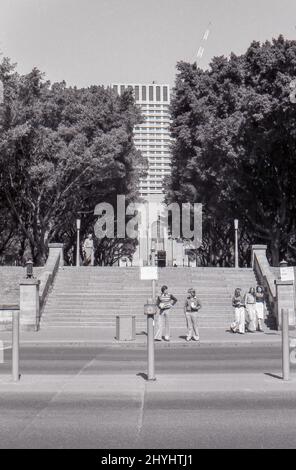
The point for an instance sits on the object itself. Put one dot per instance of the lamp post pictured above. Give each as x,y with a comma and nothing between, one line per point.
29,269
78,224
172,247
153,264
236,243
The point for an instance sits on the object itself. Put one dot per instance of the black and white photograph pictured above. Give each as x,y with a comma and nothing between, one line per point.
147,228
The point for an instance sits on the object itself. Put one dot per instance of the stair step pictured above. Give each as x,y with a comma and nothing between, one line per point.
94,296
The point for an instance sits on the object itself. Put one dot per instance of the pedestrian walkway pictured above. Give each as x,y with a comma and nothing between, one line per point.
106,337
124,411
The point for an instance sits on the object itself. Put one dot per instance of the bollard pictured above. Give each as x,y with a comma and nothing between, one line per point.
150,348
150,310
285,345
1,352
15,345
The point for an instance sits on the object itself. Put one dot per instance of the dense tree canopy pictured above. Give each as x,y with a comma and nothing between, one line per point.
235,149
62,151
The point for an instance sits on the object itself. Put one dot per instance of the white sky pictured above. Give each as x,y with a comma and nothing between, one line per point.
102,41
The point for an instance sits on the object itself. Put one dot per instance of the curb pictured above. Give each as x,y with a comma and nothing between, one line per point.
134,345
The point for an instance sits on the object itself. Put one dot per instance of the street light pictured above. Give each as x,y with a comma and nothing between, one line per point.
236,243
29,269
78,224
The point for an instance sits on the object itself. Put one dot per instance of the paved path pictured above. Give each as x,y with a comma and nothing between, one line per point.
204,397
106,336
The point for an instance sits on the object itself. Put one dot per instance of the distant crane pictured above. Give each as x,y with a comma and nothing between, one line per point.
204,40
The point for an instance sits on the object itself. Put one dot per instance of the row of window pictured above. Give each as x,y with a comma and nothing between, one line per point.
153,152
146,153
152,126
151,188
146,143
159,120
145,92
143,132
152,137
154,106
161,163
155,112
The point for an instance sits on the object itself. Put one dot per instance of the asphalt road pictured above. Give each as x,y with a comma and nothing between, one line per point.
195,359
204,397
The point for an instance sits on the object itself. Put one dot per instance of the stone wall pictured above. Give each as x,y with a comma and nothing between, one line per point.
27,295
280,294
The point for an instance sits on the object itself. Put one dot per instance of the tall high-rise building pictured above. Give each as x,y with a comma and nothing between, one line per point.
152,137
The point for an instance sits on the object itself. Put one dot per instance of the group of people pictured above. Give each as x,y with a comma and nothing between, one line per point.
165,301
248,310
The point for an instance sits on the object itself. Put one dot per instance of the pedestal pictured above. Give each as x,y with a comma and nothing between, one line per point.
285,300
29,304
56,249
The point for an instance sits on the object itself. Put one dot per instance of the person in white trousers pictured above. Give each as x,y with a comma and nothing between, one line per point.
260,304
191,308
250,303
238,326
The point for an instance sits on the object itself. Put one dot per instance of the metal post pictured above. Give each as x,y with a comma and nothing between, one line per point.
150,347
1,352
285,345
15,345
78,242
236,243
153,281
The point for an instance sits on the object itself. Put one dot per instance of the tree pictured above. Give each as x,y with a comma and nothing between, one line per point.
234,151
62,150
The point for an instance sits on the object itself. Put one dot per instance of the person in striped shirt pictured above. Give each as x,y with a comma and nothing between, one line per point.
165,302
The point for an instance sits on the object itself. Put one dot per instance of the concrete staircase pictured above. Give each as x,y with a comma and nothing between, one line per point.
93,296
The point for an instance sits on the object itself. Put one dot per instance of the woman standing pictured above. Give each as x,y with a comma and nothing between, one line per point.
191,308
250,303
260,303
238,326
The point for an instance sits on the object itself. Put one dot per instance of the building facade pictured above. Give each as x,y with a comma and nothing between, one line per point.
152,137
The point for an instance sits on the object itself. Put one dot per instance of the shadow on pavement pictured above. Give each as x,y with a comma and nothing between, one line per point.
273,375
143,375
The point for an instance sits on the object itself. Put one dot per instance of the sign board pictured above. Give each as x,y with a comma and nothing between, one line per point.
287,274
293,351
148,273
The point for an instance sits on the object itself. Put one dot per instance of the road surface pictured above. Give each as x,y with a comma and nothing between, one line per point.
204,397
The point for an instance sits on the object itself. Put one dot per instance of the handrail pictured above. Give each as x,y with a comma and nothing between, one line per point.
266,279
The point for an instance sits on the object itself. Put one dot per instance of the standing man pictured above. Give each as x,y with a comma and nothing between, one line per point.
88,251
191,308
165,302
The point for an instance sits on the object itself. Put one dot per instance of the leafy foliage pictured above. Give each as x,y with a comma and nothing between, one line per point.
235,149
62,150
